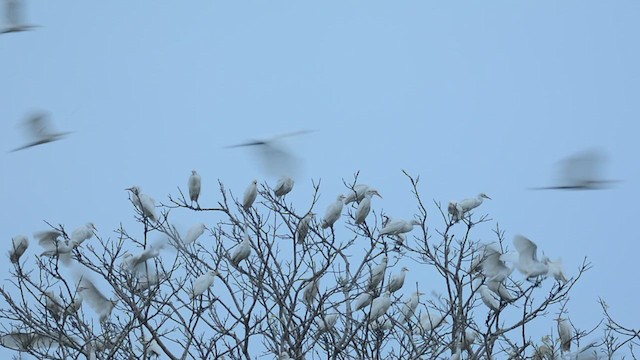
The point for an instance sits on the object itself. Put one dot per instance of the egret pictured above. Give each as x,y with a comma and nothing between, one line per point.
363,300
382,324
326,323
303,227
379,306
53,303
581,171
152,251
397,280
21,341
492,266
429,321
469,336
310,291
489,298
85,232
357,193
398,226
543,352
19,245
194,233
409,306
98,302
377,273
365,206
528,263
283,187
202,283
55,247
144,203
565,332
466,205
556,269
587,352
250,195
333,213
194,187
75,305
242,251
499,288
41,131
151,346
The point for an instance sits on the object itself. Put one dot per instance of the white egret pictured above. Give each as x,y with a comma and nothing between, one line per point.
194,184
397,280
379,306
581,171
565,333
310,292
202,283
75,305
587,352
499,288
489,298
363,300
152,251
54,247
469,336
491,264
459,209
429,321
333,212
382,323
409,307
243,250
556,269
398,226
19,245
377,273
358,193
250,195
327,322
98,302
543,351
365,206
283,187
195,231
21,341
53,303
84,232
144,203
41,131
528,263
303,227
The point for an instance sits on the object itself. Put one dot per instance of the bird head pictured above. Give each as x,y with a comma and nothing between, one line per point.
404,269
91,226
374,192
134,189
341,197
193,172
483,195
255,182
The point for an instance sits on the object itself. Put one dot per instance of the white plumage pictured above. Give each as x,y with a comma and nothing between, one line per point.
362,301
250,195
303,227
357,193
377,273
397,280
144,203
194,233
429,321
310,292
528,263
499,288
242,251
53,247
565,333
492,266
326,323
398,226
365,206
19,245
489,298
98,302
409,306
53,303
283,187
194,184
459,209
379,306
333,212
203,282
84,232
556,269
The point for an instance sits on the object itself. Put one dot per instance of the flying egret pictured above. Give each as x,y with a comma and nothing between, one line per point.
327,322
333,212
53,303
202,283
397,280
492,266
283,187
429,321
152,251
377,273
363,300
303,227
310,292
194,187
194,233
556,269
379,306
19,245
97,301
243,250
528,263
250,195
358,193
144,203
581,171
409,307
489,298
40,130
84,232
398,226
365,206
54,247
459,209
565,332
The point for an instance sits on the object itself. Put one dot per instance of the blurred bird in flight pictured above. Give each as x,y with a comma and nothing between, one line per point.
40,130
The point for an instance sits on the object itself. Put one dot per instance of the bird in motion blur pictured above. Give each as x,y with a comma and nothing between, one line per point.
40,130
274,157
581,171
13,18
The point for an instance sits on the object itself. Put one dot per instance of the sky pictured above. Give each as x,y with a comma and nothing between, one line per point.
471,96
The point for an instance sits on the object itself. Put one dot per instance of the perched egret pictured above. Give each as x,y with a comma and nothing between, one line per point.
19,245
242,251
358,193
250,195
194,233
398,226
327,322
21,341
489,298
54,247
194,187
98,302
144,203
333,212
303,227
528,263
53,303
499,288
283,187
84,232
363,300
365,206
379,306
310,292
491,264
556,269
41,131
409,306
377,273
397,280
459,209
382,323
203,282
582,171
75,305
429,321
469,336
565,332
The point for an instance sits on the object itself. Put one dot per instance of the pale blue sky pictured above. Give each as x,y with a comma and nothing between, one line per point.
472,96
